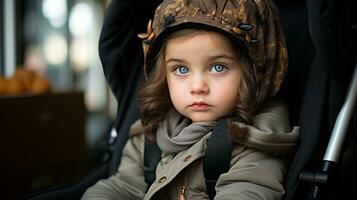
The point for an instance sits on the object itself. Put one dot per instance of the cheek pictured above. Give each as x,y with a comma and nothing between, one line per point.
176,91
229,94
228,90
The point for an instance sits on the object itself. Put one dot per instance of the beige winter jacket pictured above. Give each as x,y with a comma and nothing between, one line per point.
253,174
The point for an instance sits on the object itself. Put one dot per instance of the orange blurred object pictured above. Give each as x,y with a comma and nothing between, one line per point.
3,89
14,86
23,81
26,77
40,85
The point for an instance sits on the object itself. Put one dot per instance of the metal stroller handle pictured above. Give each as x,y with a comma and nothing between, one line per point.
321,178
341,125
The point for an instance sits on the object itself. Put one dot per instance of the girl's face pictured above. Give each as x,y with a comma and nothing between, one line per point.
203,75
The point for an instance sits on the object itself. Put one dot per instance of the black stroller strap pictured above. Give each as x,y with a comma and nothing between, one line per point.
218,155
152,156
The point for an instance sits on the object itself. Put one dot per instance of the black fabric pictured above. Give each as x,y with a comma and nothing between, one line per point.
121,54
301,53
132,114
310,124
314,89
218,156
120,49
346,182
152,156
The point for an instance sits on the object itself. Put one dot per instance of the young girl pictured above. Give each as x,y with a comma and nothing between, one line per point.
207,60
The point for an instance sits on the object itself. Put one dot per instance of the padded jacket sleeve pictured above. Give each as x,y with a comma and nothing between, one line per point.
253,175
128,183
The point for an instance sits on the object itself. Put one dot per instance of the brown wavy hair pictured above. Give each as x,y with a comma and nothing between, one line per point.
154,97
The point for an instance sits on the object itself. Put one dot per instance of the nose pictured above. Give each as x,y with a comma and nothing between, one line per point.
199,85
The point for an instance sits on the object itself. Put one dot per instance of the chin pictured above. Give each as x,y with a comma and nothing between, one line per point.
203,119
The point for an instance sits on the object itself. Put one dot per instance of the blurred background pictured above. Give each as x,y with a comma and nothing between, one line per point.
55,106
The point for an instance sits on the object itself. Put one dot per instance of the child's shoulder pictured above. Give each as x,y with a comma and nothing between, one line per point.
136,128
136,141
275,103
273,110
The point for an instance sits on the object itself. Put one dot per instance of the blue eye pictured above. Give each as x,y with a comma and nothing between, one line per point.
181,70
218,68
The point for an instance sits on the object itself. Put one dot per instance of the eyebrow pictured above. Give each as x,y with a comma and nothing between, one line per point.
175,60
219,56
210,58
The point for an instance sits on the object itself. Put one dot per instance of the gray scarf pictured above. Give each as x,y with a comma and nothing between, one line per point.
176,133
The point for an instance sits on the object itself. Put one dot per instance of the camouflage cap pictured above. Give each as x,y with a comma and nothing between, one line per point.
254,22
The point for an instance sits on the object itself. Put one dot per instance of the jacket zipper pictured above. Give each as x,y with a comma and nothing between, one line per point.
182,193
186,183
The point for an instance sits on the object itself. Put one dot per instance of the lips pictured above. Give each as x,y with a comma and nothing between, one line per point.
200,106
